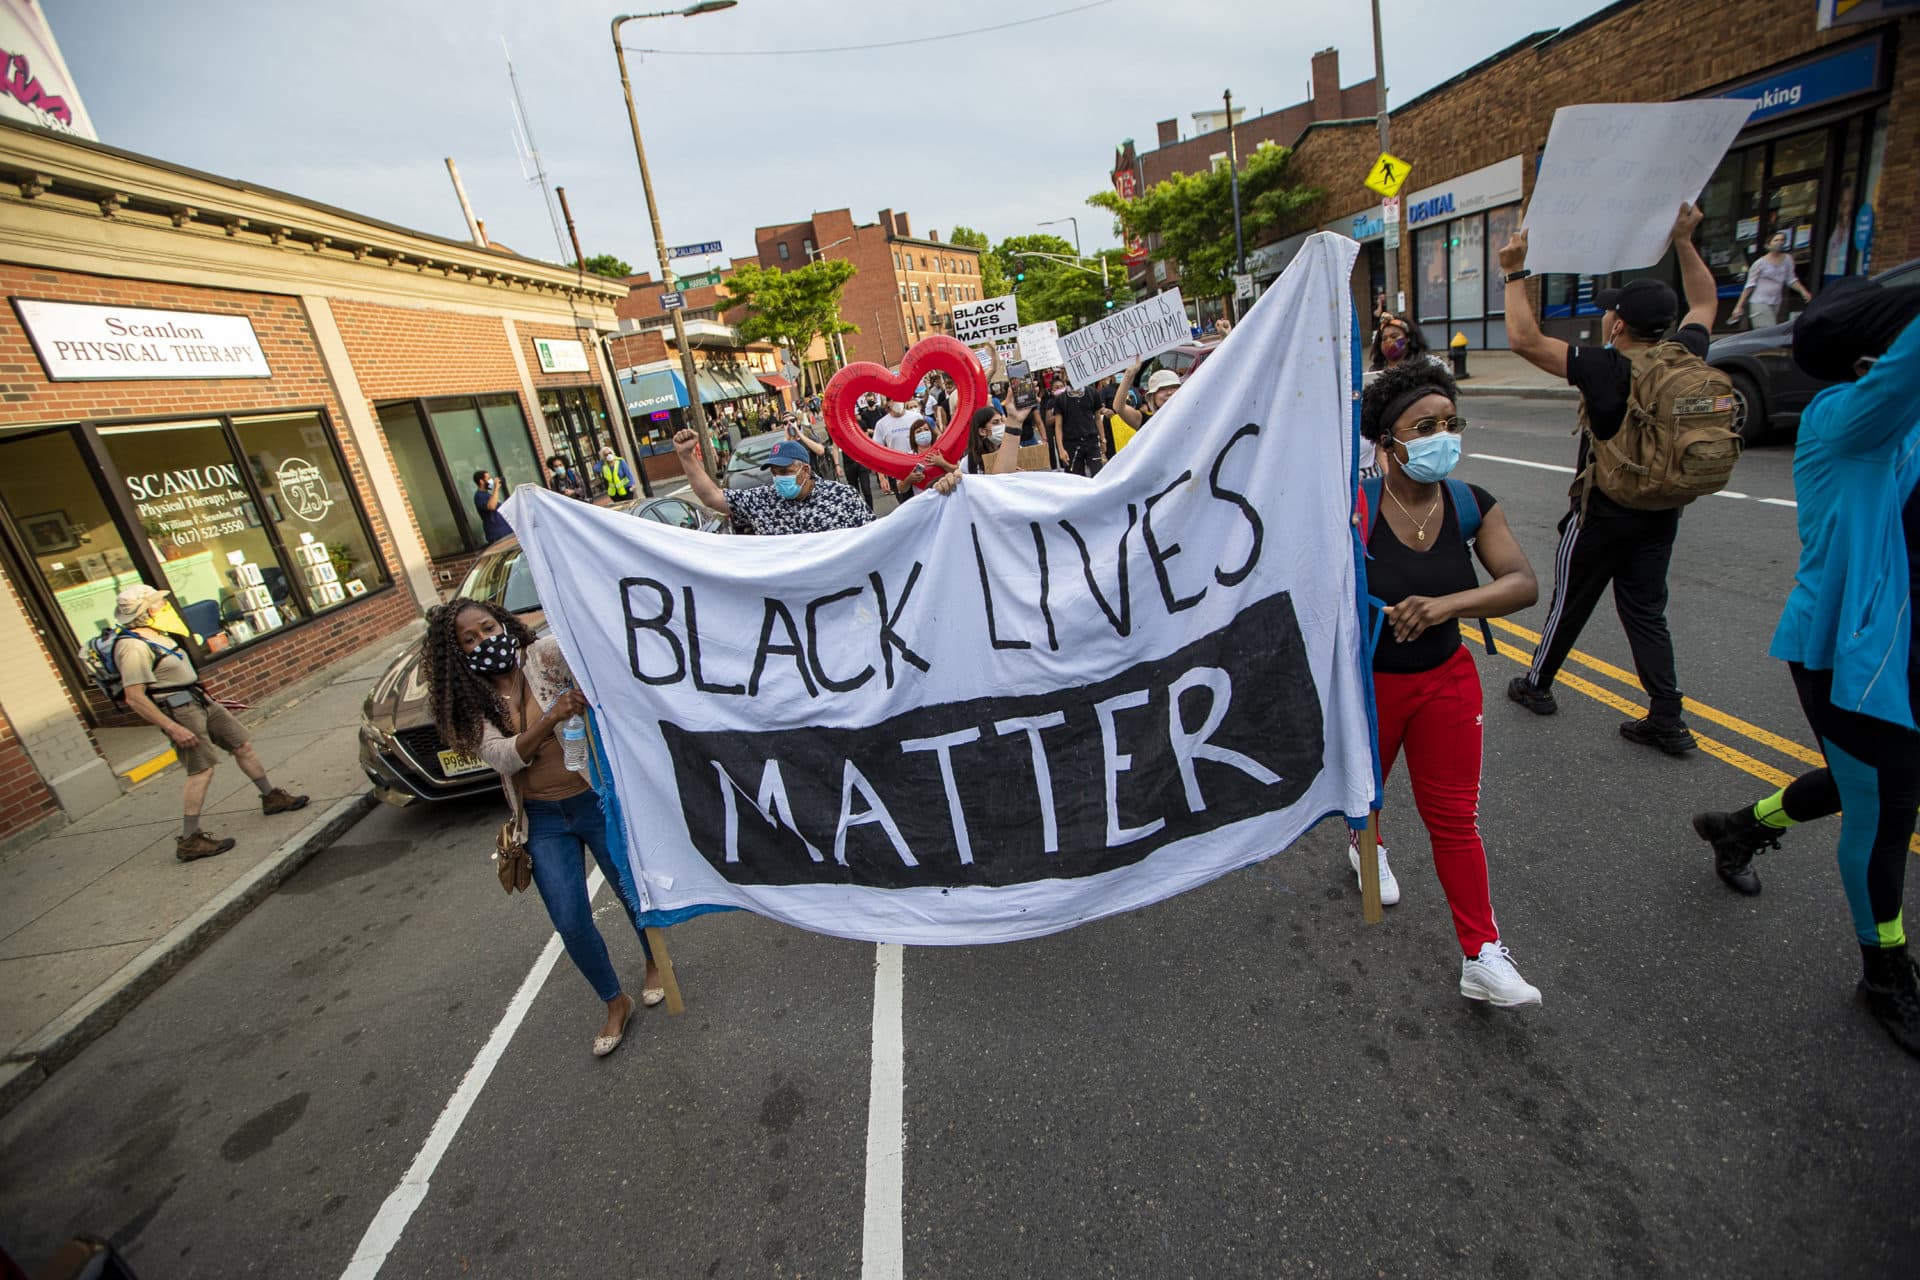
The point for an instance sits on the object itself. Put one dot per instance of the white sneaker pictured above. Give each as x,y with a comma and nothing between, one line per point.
1389,887
1492,977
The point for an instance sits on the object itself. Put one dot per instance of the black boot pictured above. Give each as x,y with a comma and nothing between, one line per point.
1892,993
1735,838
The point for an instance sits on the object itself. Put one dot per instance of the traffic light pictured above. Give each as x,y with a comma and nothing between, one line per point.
1019,270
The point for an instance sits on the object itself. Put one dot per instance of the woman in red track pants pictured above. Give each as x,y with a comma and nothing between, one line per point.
1426,688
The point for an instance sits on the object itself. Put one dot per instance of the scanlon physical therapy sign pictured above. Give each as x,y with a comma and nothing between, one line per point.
83,342
1032,703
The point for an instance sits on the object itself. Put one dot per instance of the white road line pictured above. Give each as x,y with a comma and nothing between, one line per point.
388,1225
1522,462
1551,466
882,1247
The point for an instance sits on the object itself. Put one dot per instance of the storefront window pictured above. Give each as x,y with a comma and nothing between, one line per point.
1730,207
311,504
1467,259
65,529
192,503
512,444
1430,257
1501,224
439,521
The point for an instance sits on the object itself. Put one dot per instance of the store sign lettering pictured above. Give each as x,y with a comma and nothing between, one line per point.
1430,208
77,342
163,484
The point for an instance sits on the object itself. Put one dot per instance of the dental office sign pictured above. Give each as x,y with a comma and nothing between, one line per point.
78,342
1487,188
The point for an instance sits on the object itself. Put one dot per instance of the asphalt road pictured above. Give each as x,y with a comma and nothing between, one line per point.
1242,1081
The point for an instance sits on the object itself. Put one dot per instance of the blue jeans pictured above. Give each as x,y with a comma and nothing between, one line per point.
556,830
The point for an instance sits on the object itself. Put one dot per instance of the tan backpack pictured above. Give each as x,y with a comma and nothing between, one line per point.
1677,442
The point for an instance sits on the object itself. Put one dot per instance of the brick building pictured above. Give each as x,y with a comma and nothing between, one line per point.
904,287
1831,157
1206,147
268,407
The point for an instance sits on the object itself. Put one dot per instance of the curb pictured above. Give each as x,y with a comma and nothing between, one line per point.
1524,393
28,1066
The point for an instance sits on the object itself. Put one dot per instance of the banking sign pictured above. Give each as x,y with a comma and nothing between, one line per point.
1814,83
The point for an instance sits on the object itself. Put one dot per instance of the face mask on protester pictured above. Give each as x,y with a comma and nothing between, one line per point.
494,656
787,487
1432,458
996,433
921,439
1393,348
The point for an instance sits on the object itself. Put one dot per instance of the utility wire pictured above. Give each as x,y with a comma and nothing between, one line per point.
856,48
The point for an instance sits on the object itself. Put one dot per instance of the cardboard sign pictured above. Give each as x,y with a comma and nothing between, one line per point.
1140,332
1614,175
1040,345
989,320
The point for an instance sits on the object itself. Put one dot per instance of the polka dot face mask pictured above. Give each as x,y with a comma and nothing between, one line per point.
494,656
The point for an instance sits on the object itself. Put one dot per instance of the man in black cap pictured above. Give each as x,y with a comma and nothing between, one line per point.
1602,542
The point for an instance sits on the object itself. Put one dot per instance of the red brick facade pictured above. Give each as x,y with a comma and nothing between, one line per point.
25,801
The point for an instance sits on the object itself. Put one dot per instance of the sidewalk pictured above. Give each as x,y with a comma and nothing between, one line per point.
1502,373
96,915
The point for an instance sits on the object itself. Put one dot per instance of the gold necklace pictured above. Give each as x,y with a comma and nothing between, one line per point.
1419,525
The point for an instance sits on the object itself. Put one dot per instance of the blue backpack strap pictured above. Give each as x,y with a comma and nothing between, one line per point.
1371,490
1466,511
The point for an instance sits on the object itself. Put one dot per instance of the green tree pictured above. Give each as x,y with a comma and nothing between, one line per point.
1193,216
1070,295
605,264
994,280
794,307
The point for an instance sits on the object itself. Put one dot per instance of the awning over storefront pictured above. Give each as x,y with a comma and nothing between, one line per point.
724,382
774,382
652,392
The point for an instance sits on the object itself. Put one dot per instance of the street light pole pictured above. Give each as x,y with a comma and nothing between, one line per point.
817,255
696,410
1233,178
1380,112
1054,222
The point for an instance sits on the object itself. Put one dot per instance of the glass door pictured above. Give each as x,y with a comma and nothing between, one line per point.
66,533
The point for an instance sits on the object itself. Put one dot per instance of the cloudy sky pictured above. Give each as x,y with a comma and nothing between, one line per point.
356,102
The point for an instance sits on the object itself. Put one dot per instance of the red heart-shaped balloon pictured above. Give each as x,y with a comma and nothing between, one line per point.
939,352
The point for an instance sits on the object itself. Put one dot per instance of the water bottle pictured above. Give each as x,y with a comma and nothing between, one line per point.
573,743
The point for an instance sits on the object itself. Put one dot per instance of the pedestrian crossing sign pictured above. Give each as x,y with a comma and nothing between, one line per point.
1388,175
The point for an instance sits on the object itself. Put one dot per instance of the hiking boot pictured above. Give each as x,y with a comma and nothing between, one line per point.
278,801
1892,993
1673,737
1539,701
1735,838
1490,976
199,845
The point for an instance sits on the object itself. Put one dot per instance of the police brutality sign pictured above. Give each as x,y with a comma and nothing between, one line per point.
995,714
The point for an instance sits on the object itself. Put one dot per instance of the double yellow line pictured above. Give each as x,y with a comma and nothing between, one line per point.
1804,756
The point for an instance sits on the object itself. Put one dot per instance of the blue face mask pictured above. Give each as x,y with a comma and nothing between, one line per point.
1431,458
787,487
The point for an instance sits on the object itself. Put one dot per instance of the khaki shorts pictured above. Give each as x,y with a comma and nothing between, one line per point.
215,726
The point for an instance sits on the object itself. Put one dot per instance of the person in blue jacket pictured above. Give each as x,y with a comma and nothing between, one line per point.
1847,633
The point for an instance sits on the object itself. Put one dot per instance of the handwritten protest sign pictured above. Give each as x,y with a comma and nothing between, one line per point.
990,320
1028,704
1613,176
1140,332
1040,345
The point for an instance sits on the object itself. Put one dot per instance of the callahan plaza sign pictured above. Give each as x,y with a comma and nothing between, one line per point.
78,342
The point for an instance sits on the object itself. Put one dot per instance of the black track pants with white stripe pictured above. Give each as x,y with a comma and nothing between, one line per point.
1629,550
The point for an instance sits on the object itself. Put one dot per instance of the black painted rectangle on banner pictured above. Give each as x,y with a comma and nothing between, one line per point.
999,791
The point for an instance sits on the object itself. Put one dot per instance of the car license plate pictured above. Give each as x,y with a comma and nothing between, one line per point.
455,763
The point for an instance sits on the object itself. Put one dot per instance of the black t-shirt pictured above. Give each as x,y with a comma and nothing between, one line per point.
1076,419
1398,571
1604,378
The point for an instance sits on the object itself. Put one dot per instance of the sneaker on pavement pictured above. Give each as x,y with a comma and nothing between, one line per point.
1735,838
1389,887
278,801
1675,738
1490,976
200,845
1539,701
1893,998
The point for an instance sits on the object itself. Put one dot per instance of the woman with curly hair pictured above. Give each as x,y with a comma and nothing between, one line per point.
499,693
1426,689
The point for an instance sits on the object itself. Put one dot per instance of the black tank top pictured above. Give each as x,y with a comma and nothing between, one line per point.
1397,571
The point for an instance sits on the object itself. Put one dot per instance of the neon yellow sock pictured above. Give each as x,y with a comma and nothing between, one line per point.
1772,812
1892,932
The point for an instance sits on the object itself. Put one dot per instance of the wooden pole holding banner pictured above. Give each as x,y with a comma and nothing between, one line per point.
1369,873
657,939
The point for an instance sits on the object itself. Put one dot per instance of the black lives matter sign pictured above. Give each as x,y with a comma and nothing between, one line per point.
1001,791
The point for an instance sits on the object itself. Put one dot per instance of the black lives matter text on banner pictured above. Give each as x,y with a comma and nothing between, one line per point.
1141,332
995,320
1012,709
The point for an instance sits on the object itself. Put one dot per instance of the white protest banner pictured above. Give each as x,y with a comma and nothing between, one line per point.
1035,702
1614,175
1141,332
990,320
1040,345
